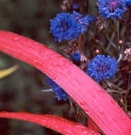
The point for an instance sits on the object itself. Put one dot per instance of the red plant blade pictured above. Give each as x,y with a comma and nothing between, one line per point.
92,98
92,125
56,123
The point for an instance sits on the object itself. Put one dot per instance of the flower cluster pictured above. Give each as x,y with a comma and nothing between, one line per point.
112,8
59,92
102,67
72,27
67,26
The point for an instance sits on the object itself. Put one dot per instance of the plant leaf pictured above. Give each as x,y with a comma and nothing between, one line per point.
6,72
56,123
92,98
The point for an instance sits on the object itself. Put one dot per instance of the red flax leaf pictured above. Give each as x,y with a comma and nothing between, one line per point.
56,123
93,126
92,98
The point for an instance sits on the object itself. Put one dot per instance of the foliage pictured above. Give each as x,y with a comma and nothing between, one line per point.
6,72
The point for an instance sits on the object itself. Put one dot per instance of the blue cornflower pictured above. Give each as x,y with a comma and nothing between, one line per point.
112,8
75,6
76,57
128,2
63,27
102,67
60,94
83,21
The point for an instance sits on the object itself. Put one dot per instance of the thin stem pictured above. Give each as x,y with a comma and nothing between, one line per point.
113,86
118,29
112,38
114,91
79,42
110,41
46,90
99,42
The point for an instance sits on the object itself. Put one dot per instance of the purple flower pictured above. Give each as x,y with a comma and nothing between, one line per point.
64,27
112,8
102,67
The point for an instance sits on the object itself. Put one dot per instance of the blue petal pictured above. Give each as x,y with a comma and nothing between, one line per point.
60,94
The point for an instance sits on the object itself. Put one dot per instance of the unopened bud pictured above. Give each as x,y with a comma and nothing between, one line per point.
96,4
97,51
120,42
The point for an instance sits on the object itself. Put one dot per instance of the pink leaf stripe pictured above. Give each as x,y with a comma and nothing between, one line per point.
56,123
92,98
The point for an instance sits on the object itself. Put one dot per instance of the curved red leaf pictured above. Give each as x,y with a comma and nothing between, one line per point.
102,109
56,123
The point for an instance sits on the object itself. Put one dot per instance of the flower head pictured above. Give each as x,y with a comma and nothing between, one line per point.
59,92
112,8
64,27
76,57
83,21
128,2
102,67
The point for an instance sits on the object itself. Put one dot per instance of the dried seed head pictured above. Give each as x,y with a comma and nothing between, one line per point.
127,55
71,48
66,5
84,62
129,114
100,23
